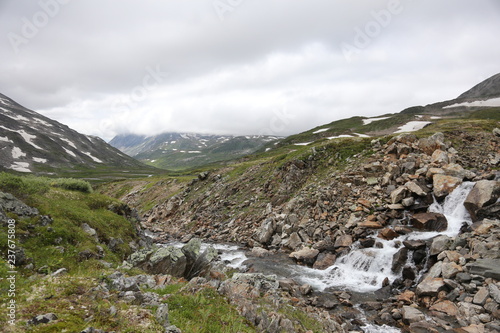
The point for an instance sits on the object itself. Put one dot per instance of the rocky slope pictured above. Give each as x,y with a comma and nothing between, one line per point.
321,202
30,142
175,151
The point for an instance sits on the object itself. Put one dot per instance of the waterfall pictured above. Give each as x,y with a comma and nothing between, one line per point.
364,270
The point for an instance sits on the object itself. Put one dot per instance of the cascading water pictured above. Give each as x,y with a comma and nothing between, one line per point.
364,270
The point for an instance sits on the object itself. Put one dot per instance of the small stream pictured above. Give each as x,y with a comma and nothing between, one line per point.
361,270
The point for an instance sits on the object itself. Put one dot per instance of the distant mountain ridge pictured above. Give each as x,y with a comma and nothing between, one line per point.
176,151
31,142
489,88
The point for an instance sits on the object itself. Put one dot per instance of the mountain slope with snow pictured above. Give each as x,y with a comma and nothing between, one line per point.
175,151
482,102
33,143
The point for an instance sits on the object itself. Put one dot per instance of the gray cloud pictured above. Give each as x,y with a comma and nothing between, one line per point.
89,66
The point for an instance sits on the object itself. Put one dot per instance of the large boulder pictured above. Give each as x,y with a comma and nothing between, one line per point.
431,144
430,287
343,241
440,157
429,221
440,244
412,315
399,194
8,203
444,185
160,260
266,231
483,194
306,255
202,264
416,189
489,268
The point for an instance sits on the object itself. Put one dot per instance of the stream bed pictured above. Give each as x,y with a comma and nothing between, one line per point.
362,271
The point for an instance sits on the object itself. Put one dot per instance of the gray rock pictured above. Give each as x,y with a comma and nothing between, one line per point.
489,268
429,221
423,327
202,264
118,281
343,241
294,242
412,315
431,144
494,292
440,244
89,231
435,271
408,202
140,258
440,157
481,296
8,203
444,185
450,270
167,260
484,193
260,252
430,287
192,249
266,231
305,289
172,329
92,330
398,194
306,255
399,259
162,315
42,319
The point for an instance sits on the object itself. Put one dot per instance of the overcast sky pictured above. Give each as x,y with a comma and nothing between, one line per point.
105,67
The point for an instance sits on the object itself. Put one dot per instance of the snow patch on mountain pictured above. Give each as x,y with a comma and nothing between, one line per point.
28,138
95,159
17,153
5,139
340,136
488,102
69,143
42,122
412,126
69,152
321,130
39,160
20,167
371,120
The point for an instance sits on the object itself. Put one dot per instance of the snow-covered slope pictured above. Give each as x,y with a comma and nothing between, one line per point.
31,142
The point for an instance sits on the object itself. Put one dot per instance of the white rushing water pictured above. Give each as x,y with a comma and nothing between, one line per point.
364,270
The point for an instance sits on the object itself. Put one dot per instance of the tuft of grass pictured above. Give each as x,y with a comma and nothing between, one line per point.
23,186
205,311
